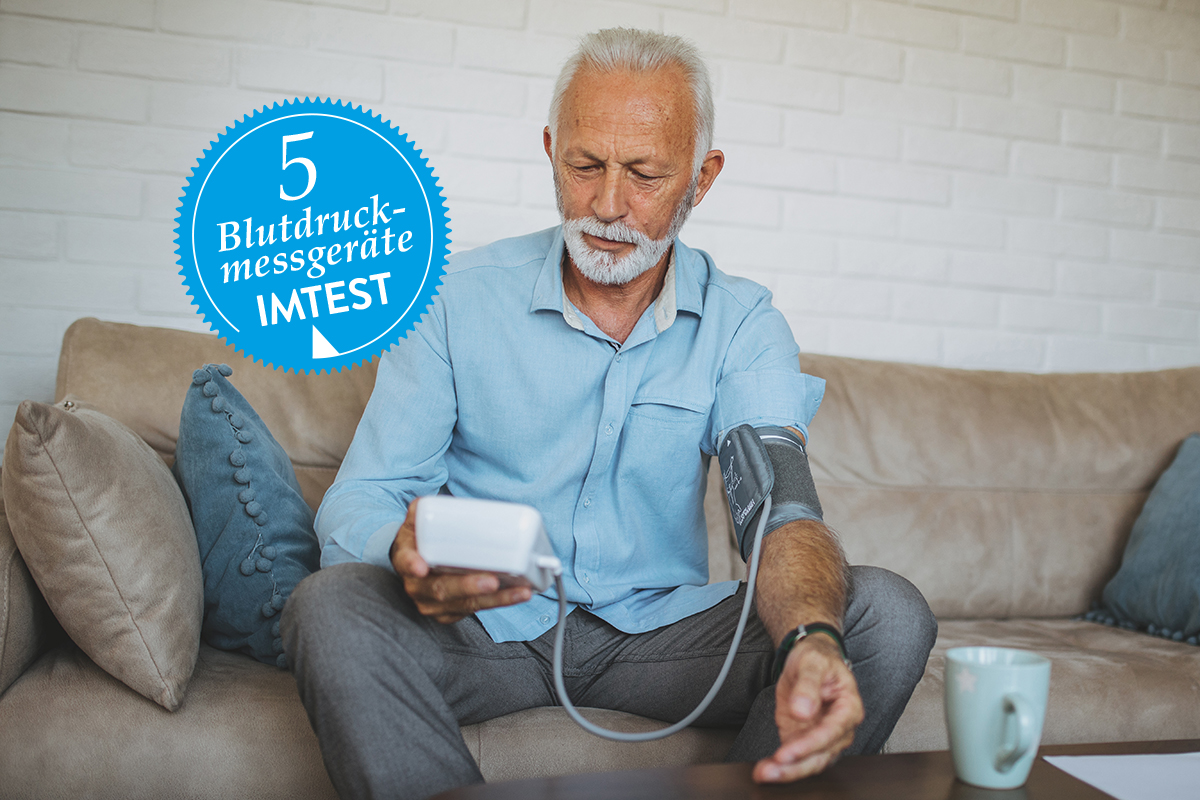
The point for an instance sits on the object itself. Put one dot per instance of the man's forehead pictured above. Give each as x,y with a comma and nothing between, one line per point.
640,105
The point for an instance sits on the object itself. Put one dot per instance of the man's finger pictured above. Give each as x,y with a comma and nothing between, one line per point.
771,771
471,603
405,558
441,606
838,723
508,597
448,588
409,563
803,697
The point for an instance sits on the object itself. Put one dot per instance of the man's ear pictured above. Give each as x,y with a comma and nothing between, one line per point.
709,170
548,142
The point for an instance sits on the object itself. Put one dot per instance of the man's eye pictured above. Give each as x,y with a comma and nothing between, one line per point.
644,177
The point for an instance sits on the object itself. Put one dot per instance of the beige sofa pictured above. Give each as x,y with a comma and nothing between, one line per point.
1006,498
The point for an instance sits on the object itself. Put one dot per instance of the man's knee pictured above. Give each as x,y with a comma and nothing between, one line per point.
332,602
886,610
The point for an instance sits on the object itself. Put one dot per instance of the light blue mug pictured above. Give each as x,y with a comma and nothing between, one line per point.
995,706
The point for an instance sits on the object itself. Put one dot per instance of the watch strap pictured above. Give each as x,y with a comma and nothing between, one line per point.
800,633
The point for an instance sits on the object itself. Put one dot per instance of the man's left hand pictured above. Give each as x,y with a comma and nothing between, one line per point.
817,708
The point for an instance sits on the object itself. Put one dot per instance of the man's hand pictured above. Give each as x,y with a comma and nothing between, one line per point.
817,708
445,596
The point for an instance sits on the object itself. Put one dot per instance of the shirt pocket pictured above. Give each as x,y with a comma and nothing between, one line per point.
667,434
661,472
665,412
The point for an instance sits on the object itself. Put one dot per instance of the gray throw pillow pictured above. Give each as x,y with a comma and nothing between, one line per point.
105,533
1157,588
253,527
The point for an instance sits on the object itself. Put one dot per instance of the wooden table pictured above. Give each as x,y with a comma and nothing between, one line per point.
899,776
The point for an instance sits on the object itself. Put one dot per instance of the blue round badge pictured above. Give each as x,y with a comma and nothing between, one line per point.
312,235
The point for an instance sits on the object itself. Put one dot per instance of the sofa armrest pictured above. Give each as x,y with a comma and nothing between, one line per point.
27,628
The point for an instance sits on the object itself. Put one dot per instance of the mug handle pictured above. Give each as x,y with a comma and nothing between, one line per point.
1014,705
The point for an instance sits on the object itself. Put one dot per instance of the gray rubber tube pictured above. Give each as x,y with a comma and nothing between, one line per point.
560,630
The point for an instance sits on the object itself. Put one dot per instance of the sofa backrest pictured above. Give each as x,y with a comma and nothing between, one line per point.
997,494
139,375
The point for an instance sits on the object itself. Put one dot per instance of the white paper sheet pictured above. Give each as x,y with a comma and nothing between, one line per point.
1158,776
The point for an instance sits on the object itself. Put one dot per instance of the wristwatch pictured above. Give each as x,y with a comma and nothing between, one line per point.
801,632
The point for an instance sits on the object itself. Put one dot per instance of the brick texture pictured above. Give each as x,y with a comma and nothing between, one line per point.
33,41
153,56
125,13
1001,184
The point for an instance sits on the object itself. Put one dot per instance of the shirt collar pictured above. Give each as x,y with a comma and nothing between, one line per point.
548,289
680,290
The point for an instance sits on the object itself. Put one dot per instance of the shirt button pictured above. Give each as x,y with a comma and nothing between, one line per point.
587,502
544,619
587,578
618,356
608,430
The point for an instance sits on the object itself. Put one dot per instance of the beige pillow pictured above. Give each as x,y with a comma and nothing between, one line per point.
25,627
106,534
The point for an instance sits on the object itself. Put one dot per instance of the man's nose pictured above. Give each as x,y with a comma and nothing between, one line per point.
609,204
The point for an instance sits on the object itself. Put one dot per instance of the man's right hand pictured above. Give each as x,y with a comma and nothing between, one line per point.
446,596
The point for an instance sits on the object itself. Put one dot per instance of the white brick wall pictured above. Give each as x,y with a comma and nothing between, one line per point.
1001,184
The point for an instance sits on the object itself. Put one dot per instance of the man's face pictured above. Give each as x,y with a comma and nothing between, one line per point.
623,169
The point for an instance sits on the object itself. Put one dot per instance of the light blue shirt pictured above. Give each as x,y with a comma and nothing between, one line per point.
506,391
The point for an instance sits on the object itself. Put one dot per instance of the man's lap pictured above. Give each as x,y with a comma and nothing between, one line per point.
661,674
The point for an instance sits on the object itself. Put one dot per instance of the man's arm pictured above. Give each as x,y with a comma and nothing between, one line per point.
802,572
397,456
802,580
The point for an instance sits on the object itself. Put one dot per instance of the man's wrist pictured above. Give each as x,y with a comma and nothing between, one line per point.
799,634
821,641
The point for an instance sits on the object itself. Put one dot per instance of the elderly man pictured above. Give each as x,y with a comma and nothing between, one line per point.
591,371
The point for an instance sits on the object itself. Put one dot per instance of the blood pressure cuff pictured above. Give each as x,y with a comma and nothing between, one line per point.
756,462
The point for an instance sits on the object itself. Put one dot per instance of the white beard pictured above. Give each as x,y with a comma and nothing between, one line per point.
601,266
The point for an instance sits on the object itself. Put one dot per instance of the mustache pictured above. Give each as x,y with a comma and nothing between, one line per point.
615,231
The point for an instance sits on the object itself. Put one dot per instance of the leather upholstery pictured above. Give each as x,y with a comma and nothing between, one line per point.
1006,498
26,624
1106,684
68,729
997,494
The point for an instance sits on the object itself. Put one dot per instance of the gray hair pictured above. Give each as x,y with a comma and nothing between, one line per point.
627,49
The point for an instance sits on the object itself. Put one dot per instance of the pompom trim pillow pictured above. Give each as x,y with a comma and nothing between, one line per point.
253,528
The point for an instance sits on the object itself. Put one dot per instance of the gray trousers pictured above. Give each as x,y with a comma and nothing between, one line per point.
386,689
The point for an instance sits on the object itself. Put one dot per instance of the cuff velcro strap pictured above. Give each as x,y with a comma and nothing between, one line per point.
784,513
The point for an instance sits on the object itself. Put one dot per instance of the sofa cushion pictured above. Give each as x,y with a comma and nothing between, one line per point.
254,530
70,730
1157,588
1106,684
541,742
105,533
25,621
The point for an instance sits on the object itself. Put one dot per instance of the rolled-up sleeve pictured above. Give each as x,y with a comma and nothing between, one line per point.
761,382
398,451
